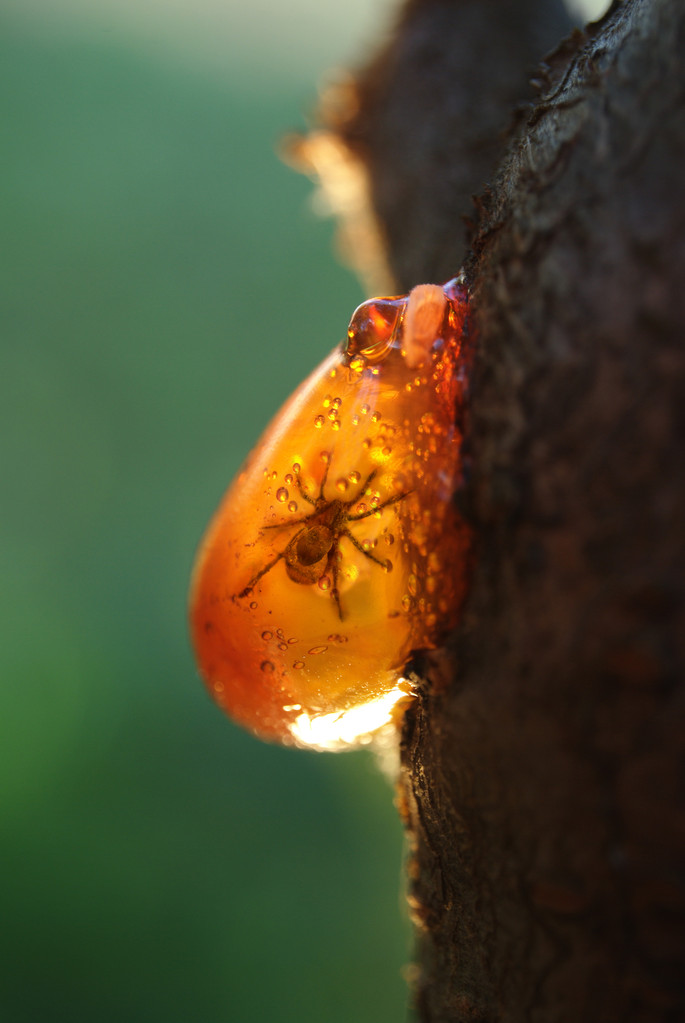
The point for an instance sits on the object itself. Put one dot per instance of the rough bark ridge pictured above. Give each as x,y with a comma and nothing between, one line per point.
544,785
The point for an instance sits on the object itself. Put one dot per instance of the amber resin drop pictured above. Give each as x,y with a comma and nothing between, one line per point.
338,549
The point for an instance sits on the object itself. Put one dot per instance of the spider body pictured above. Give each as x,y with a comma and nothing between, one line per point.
313,552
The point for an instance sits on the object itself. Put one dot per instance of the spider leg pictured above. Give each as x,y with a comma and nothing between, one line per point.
366,482
324,478
363,550
378,507
303,493
333,562
260,573
290,522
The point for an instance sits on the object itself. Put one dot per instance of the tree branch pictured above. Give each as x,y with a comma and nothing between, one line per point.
543,786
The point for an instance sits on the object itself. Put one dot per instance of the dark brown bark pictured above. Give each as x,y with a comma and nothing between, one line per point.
544,786
432,115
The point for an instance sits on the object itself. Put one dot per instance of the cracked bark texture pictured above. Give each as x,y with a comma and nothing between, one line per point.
543,785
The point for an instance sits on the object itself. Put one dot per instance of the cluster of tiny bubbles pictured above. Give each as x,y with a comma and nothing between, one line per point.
335,637
283,642
433,566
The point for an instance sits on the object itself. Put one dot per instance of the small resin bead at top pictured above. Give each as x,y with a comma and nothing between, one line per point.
338,549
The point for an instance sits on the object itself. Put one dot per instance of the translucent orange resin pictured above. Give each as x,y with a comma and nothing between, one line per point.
338,550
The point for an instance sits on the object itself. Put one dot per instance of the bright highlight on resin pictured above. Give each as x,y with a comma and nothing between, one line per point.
338,550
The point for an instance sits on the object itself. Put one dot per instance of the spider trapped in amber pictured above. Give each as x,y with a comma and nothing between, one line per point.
313,552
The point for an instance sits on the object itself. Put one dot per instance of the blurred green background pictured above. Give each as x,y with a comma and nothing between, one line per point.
164,286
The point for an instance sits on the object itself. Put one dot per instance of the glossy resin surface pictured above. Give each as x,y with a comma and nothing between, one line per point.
338,550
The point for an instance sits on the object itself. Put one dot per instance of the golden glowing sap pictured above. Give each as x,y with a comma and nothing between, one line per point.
338,550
